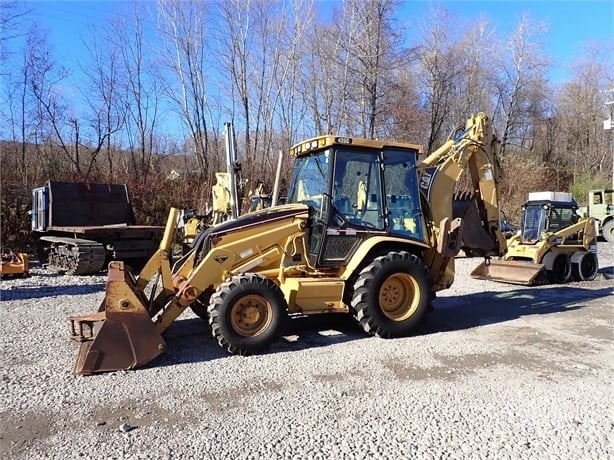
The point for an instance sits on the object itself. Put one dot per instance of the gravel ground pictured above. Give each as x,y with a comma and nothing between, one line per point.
496,371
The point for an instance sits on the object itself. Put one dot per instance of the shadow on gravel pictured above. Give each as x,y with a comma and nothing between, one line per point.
190,340
606,273
463,312
37,292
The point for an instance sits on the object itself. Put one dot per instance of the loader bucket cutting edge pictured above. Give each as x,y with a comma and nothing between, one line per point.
514,272
128,343
121,335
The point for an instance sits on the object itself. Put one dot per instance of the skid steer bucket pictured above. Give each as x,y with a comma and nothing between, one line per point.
119,336
514,272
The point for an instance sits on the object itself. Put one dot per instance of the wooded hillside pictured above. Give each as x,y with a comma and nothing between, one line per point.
159,81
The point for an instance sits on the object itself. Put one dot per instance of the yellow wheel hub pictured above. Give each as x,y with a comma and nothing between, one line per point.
251,315
399,296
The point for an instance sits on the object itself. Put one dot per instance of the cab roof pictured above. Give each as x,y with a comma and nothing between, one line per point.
321,142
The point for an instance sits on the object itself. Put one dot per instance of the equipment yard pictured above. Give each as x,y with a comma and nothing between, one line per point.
495,371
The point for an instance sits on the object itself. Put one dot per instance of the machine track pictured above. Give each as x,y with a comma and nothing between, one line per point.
74,256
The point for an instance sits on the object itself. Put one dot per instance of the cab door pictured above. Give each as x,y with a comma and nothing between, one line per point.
352,208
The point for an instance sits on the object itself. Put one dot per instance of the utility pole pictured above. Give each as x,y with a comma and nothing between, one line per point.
607,125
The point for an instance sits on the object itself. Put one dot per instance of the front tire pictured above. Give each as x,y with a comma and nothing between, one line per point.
558,266
392,294
246,313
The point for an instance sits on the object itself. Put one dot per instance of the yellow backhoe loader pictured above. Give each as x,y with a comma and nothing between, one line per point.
554,245
368,229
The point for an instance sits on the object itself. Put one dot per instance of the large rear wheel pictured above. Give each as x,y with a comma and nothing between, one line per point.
608,231
392,294
246,313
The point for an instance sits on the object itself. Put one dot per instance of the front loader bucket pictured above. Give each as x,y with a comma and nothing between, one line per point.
514,272
119,336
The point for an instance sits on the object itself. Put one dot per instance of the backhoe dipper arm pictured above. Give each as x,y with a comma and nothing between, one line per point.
471,224
475,150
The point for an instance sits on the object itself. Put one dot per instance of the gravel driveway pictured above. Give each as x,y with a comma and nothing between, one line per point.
497,371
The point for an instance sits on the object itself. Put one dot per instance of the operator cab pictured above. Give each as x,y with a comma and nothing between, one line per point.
355,189
546,216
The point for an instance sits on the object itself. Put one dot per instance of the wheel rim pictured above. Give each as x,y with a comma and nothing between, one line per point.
251,315
399,297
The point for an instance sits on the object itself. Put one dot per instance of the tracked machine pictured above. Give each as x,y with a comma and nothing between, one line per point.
79,227
369,229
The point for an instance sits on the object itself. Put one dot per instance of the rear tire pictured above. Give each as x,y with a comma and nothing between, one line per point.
246,313
584,266
558,266
608,231
392,294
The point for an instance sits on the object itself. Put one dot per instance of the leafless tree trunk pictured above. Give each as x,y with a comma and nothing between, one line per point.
142,90
520,79
440,65
184,26
584,143
104,98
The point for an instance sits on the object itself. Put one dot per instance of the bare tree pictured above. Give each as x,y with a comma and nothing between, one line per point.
440,67
477,50
370,42
290,112
13,15
324,79
581,109
106,103
141,89
259,46
184,26
521,80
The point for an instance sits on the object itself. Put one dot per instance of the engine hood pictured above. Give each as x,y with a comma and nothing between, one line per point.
260,216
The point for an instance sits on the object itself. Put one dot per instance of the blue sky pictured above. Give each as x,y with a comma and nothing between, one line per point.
571,23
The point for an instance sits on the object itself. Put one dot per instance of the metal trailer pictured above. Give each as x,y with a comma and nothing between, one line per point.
80,227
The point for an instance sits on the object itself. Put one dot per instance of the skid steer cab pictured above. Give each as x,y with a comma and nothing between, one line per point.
356,236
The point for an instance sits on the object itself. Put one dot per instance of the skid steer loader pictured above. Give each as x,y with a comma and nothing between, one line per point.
368,229
554,245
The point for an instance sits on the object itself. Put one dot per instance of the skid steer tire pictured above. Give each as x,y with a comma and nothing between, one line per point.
558,267
608,231
584,266
392,294
246,313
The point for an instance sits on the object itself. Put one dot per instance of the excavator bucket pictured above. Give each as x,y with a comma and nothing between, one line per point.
121,335
509,271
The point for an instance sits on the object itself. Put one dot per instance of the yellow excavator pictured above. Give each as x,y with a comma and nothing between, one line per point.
369,228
